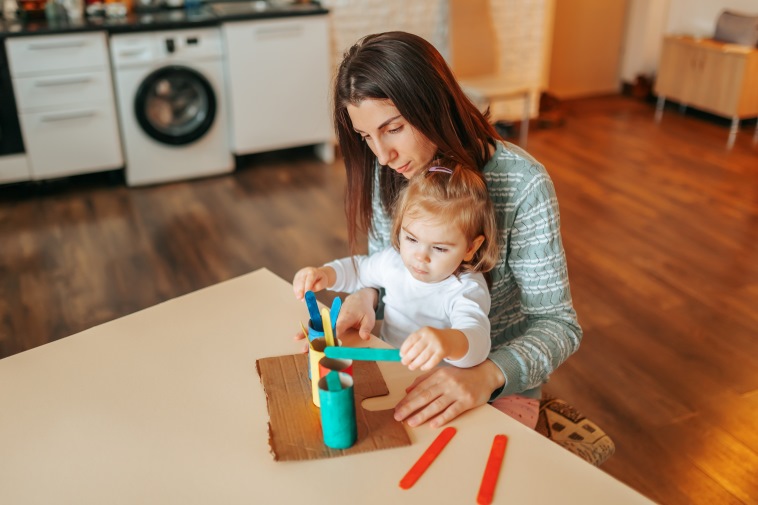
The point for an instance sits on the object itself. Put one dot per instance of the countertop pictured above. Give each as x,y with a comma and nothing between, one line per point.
208,14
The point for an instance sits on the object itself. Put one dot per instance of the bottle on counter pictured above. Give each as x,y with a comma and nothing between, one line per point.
10,9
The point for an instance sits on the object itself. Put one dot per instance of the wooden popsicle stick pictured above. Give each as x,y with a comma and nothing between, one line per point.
492,470
426,459
312,305
305,330
333,381
327,327
362,353
334,313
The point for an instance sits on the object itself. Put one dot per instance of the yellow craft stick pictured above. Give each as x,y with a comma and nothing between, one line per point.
305,330
327,327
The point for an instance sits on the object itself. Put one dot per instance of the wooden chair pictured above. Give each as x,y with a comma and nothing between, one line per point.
567,427
475,59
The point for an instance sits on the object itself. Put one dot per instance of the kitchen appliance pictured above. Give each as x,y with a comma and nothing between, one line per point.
169,90
13,162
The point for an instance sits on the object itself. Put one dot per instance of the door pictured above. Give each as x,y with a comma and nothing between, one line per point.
587,45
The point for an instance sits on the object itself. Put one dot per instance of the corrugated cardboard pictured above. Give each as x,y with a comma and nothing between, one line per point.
295,424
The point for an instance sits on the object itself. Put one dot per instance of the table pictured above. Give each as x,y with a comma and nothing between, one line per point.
164,406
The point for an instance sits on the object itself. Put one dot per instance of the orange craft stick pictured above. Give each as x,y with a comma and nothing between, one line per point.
492,470
427,458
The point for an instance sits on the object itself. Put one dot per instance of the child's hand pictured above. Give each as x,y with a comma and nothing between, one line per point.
426,347
310,279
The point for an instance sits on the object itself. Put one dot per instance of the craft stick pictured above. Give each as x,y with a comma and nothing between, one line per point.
305,330
334,314
327,327
312,304
492,470
333,381
363,353
426,459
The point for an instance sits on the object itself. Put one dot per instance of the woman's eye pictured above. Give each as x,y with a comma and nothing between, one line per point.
365,138
395,130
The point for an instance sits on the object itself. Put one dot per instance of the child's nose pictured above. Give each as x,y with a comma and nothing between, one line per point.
422,256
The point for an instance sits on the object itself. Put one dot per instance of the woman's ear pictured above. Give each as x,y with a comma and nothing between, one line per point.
475,245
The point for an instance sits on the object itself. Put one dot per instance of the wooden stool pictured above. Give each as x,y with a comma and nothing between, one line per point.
567,427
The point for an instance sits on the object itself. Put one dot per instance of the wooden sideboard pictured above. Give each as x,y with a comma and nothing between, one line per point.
709,75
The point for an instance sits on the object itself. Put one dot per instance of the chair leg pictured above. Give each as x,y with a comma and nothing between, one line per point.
525,120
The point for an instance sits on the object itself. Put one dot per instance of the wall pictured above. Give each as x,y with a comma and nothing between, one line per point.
649,20
518,34
353,19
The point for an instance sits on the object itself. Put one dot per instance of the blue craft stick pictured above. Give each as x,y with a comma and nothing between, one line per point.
333,381
362,353
312,304
334,313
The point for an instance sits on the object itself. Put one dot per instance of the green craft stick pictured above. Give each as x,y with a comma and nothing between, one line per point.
333,381
362,353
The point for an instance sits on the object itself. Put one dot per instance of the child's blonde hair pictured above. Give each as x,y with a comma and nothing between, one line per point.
457,196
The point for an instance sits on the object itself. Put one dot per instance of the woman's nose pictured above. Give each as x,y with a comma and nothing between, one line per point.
384,152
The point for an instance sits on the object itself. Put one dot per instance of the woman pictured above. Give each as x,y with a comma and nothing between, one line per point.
397,109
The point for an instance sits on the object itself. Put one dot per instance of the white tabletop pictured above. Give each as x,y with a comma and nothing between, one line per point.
164,406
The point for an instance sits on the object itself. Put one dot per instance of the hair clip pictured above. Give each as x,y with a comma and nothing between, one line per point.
441,169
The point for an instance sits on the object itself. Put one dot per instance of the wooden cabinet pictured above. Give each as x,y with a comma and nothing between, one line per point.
65,101
718,78
279,83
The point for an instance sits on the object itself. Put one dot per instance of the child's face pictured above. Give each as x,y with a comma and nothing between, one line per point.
432,250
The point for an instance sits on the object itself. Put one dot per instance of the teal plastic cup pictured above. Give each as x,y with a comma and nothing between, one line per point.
335,392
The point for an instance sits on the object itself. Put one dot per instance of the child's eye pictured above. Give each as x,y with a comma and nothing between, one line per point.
410,239
440,249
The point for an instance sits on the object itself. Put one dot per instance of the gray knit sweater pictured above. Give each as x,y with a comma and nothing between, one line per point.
534,325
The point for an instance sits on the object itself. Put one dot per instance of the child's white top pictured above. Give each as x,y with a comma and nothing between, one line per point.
460,302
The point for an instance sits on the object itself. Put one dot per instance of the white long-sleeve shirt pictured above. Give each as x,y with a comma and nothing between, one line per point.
461,303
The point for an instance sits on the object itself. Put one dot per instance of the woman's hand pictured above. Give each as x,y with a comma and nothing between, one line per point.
442,395
358,312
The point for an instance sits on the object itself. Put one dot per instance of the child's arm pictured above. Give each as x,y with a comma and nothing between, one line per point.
313,279
427,347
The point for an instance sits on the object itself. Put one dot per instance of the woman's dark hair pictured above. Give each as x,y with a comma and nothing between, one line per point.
407,70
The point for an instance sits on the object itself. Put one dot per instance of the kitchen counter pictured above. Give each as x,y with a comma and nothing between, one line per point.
209,14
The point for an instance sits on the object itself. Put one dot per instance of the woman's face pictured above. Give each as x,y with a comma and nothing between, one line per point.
391,138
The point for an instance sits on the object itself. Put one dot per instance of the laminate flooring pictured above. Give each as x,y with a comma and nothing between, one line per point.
660,226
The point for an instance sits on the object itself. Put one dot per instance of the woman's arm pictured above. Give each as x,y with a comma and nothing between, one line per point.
534,325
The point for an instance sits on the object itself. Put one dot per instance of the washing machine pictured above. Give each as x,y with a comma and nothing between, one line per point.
169,92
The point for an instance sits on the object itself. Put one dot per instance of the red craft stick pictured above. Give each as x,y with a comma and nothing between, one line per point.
492,470
431,453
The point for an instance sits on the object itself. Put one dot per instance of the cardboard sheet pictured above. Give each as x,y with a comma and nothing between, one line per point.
295,424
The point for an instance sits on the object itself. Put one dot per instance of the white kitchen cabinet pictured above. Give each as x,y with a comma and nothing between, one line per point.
64,95
279,77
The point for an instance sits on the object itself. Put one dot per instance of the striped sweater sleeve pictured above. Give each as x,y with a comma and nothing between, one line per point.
534,325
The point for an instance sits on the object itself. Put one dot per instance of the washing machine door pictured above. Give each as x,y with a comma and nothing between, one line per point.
175,105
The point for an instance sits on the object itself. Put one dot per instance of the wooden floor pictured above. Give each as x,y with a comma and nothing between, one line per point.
660,225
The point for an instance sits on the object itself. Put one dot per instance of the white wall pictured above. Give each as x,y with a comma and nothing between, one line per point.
698,17
649,20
